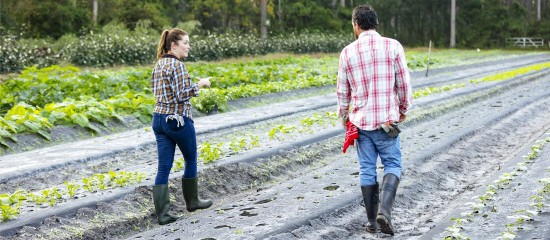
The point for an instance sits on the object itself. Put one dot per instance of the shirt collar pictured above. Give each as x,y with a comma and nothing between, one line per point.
369,33
168,55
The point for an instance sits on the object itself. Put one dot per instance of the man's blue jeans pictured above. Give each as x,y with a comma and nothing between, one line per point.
372,144
168,135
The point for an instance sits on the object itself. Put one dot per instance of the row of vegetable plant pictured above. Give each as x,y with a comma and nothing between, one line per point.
10,203
522,216
212,151
479,205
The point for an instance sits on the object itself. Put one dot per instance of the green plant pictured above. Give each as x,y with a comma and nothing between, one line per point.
431,90
9,212
179,163
99,180
72,188
509,233
209,100
512,73
280,128
88,184
455,230
254,141
38,199
539,205
237,144
13,198
209,152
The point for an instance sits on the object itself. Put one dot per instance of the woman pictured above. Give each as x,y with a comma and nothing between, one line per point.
173,124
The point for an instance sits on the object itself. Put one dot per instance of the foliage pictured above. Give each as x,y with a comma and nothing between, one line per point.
513,73
430,90
479,23
114,46
210,152
209,100
15,55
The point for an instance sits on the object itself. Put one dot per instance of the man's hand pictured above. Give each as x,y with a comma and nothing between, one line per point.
204,82
345,122
402,118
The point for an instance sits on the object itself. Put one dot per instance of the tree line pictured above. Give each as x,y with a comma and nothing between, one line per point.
479,23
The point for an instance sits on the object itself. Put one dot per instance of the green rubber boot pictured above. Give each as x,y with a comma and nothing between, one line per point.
191,195
161,198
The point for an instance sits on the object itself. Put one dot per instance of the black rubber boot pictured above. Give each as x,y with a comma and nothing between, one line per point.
389,189
161,198
191,195
370,198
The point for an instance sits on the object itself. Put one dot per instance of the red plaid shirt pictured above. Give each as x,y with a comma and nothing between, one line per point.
374,79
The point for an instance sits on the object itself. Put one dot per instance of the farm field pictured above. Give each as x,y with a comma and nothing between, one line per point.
80,164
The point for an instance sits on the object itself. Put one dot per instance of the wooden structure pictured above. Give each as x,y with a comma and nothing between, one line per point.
525,42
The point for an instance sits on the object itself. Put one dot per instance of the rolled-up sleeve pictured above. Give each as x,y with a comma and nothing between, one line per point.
343,87
403,81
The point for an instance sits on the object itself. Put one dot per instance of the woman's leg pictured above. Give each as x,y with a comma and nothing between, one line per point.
166,148
186,139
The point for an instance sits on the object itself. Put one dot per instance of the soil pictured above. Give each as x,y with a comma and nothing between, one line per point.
300,185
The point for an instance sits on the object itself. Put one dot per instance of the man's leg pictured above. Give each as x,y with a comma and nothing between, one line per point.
390,155
367,154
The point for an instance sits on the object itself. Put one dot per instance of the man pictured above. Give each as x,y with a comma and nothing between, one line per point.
374,91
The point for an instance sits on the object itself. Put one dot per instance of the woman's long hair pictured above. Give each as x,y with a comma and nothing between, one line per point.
166,40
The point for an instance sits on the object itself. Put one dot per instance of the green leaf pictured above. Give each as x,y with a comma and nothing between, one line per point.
4,143
33,126
144,118
80,119
93,128
44,134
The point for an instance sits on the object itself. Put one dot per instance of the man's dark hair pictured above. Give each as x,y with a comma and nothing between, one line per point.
365,17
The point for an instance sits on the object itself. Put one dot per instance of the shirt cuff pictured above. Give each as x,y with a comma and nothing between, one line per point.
196,89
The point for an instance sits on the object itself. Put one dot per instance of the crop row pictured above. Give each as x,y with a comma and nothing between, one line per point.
479,205
10,203
208,152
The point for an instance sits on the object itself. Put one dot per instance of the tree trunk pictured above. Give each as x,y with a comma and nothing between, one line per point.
333,4
538,10
280,12
529,7
453,23
94,14
343,3
263,18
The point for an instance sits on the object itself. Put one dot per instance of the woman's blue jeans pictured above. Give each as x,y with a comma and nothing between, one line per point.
372,144
168,135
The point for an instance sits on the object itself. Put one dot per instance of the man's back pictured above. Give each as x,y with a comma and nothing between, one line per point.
374,72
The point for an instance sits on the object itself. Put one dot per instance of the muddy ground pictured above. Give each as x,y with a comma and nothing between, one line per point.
454,144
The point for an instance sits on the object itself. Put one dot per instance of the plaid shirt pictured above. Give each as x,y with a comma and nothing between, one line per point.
172,87
373,74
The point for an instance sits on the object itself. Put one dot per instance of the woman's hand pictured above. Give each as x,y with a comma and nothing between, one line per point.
204,82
